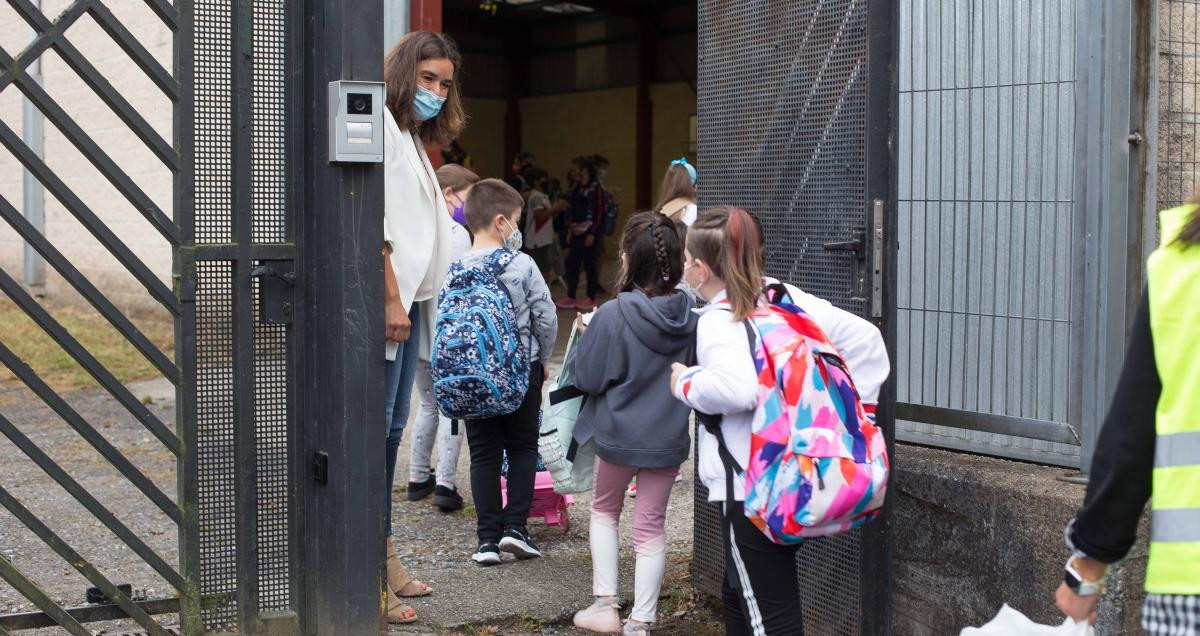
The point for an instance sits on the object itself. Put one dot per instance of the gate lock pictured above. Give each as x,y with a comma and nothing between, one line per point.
276,282
868,245
858,248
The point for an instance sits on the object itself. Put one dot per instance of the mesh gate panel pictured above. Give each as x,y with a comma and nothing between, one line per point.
215,448
272,444
269,223
222,308
212,121
213,223
793,151
269,219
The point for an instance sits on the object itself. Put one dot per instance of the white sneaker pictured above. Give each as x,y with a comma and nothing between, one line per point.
600,616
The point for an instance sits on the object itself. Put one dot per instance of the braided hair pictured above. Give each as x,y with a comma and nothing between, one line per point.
653,255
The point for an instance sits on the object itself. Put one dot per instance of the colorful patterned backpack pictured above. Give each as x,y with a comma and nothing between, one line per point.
818,464
479,366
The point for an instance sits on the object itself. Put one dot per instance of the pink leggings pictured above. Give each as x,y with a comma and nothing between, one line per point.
650,507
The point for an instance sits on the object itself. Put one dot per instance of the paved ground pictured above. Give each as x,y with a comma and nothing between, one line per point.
536,596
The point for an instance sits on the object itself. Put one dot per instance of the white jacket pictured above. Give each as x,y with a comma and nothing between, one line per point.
416,225
724,380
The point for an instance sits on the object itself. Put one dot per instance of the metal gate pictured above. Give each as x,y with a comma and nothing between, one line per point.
269,541
49,35
795,121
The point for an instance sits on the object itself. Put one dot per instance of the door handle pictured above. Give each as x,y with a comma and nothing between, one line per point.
857,246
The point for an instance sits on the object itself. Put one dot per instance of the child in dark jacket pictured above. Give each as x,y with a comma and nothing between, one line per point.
626,351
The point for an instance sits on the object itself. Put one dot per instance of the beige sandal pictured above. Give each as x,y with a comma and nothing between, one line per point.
399,581
398,613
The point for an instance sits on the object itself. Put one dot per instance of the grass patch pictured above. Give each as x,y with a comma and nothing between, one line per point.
56,367
532,622
467,511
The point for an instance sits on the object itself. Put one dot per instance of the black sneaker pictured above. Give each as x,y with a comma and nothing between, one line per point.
418,490
487,554
516,542
447,499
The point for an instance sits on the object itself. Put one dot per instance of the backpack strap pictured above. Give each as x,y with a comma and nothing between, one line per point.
777,293
562,394
499,259
712,423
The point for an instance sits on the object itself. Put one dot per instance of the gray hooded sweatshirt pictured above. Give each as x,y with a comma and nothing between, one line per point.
623,362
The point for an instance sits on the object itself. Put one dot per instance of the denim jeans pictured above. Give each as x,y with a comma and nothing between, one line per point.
398,383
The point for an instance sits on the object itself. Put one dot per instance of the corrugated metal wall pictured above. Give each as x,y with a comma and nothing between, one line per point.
987,228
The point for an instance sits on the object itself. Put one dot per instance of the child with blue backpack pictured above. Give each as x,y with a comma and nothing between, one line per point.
495,332
768,378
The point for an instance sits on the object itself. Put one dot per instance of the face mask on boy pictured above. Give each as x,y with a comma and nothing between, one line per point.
513,241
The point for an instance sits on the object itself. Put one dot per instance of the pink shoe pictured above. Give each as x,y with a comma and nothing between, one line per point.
585,304
601,616
566,302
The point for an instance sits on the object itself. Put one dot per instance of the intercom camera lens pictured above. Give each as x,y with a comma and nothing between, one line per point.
359,104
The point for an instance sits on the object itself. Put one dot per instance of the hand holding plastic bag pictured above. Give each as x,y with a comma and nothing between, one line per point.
1010,622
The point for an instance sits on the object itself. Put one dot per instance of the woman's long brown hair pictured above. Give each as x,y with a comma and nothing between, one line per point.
676,184
400,74
726,239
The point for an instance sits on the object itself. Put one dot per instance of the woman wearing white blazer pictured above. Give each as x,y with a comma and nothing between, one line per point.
423,107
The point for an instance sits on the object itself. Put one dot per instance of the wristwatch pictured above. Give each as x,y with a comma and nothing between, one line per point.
1079,586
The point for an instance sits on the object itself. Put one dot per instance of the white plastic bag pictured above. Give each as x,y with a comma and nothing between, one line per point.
1010,622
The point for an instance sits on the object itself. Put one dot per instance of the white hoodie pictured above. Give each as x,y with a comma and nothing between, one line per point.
724,381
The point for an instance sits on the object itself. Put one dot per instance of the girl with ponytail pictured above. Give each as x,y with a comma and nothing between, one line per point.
724,266
627,349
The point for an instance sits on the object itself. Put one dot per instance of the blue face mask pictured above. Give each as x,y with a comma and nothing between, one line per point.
426,104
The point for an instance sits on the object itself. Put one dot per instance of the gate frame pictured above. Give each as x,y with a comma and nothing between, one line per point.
877,537
339,312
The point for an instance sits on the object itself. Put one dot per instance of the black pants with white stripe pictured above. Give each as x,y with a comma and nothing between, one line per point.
761,592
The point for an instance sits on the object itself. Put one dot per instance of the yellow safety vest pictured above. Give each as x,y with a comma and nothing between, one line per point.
1173,277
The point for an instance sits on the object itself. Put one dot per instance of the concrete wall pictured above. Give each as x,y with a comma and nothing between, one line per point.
111,135
974,532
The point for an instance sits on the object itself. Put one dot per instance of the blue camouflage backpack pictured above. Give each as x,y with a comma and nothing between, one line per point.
478,365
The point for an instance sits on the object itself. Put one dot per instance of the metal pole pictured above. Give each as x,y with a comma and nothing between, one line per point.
33,199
